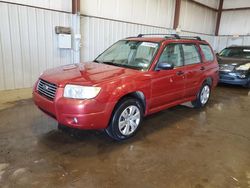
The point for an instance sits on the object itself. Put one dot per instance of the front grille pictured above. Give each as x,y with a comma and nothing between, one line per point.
46,89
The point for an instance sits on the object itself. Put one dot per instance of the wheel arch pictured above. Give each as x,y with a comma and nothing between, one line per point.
208,80
139,95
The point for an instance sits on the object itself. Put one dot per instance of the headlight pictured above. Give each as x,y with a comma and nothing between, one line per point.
244,67
80,92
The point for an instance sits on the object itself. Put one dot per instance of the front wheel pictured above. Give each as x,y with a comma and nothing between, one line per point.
203,96
126,119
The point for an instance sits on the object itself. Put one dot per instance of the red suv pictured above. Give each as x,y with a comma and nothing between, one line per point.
133,78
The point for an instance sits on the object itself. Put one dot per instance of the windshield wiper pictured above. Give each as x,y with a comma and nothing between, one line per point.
117,64
105,62
110,63
96,61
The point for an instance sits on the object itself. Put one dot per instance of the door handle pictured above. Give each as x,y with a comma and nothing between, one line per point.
179,73
202,68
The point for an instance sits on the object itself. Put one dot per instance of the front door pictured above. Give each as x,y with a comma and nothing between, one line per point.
168,85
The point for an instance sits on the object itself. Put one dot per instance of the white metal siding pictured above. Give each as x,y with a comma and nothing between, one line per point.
225,41
62,5
210,3
28,44
98,34
150,12
236,4
208,38
235,23
196,18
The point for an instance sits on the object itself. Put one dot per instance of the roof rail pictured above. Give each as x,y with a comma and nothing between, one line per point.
191,37
166,35
172,36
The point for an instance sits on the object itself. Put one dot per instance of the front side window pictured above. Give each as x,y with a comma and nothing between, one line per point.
172,55
191,54
131,54
209,56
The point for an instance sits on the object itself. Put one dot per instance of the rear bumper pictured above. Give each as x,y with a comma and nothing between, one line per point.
81,114
228,79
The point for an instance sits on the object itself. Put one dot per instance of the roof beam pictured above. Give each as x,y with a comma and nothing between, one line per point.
235,9
217,28
75,6
177,13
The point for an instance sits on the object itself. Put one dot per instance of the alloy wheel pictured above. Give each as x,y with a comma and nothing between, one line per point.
129,120
205,93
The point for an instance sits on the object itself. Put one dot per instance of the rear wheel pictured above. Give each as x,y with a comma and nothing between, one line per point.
203,96
126,119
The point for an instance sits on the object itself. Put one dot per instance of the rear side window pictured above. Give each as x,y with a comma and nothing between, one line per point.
209,56
191,54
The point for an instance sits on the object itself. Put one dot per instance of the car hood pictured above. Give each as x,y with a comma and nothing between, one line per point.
89,73
232,61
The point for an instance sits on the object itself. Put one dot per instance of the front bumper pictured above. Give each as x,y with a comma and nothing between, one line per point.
233,79
81,114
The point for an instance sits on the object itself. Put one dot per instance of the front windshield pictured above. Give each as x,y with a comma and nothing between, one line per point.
131,54
236,52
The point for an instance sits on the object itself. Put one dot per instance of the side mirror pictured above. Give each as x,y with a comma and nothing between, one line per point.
164,66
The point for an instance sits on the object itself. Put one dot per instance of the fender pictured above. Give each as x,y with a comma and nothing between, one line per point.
128,88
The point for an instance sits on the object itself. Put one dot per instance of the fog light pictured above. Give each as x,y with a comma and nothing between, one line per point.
75,120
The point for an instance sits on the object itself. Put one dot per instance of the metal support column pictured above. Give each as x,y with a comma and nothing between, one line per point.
76,30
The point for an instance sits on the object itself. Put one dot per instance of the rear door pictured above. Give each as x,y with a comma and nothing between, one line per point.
168,85
194,68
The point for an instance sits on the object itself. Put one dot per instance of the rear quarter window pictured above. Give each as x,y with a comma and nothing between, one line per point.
208,54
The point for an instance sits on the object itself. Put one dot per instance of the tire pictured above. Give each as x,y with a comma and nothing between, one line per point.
126,119
203,96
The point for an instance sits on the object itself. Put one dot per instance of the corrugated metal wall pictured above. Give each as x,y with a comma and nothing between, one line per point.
210,3
236,4
99,33
103,22
102,27
208,38
196,18
235,23
61,5
28,44
224,41
150,12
